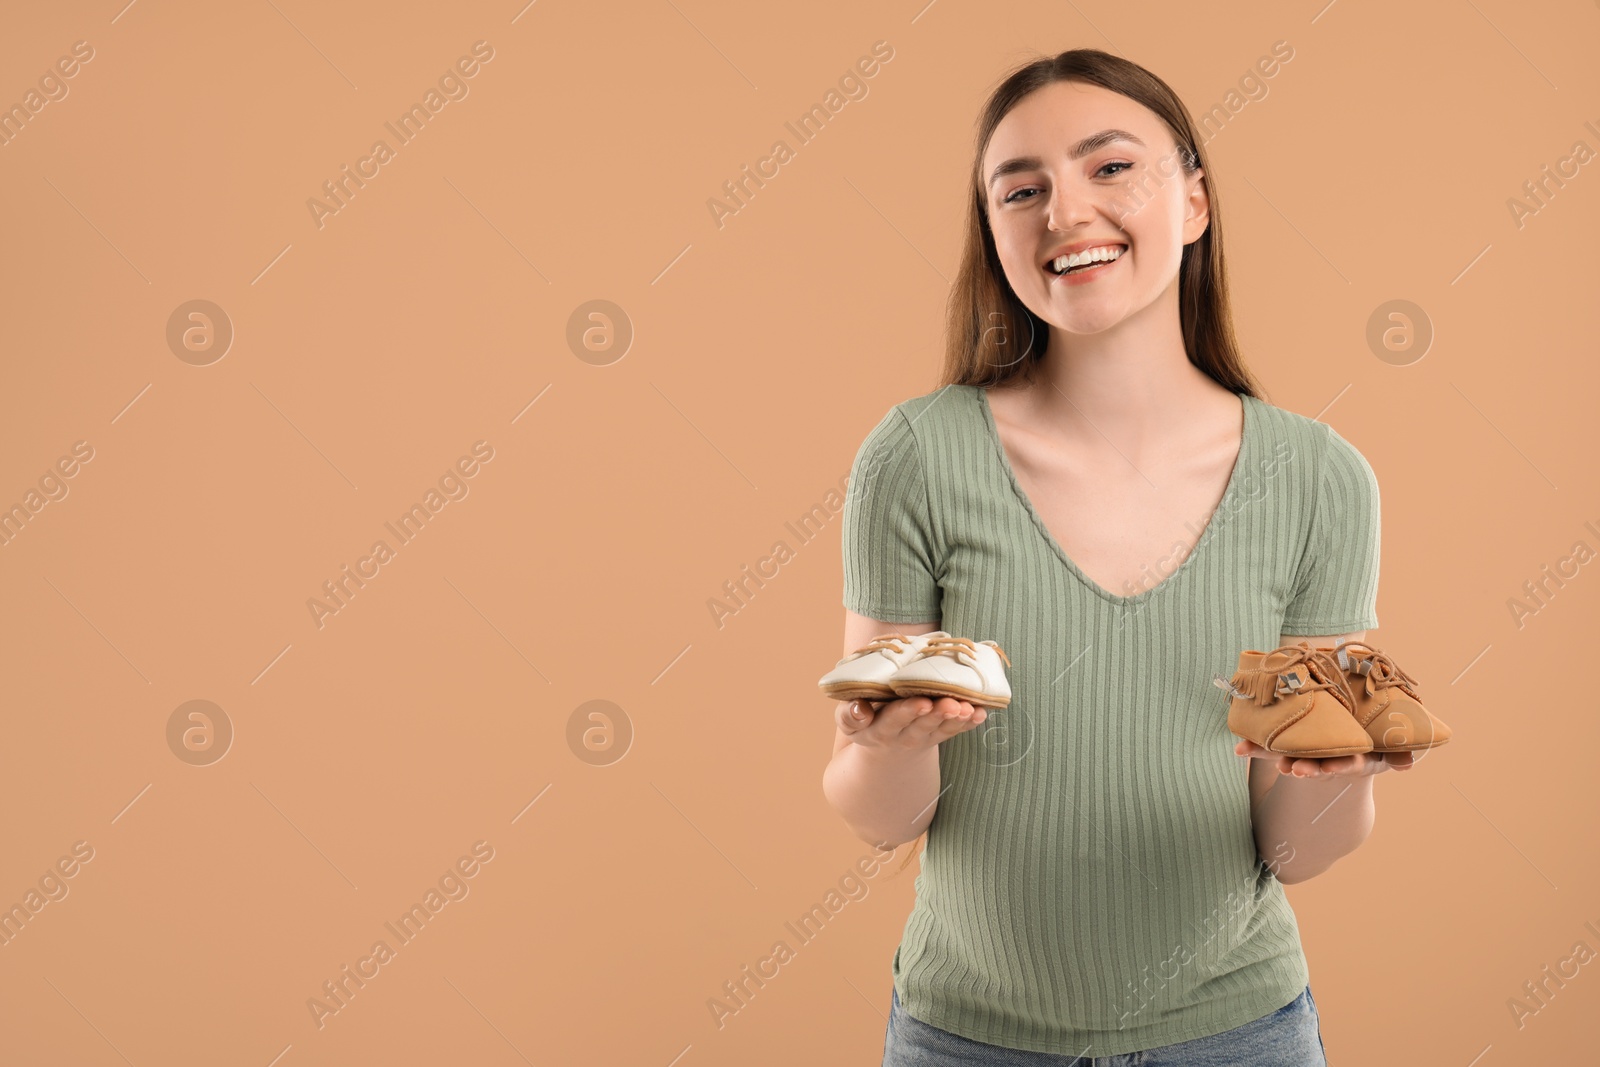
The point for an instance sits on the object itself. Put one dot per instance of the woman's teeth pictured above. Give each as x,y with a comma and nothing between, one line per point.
1083,260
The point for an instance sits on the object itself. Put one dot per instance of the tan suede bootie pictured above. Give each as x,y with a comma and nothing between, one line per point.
1387,706
1293,701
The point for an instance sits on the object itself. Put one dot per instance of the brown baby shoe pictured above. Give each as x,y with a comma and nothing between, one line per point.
1387,706
1293,701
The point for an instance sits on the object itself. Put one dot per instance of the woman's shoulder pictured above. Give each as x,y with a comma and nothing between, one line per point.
940,405
936,413
1305,438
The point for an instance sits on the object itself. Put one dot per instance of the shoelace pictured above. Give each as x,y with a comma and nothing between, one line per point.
882,643
1376,667
958,646
1265,684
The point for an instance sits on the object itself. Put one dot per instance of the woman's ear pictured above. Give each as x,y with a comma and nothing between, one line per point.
1198,214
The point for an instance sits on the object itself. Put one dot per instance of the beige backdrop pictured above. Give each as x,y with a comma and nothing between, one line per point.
611,399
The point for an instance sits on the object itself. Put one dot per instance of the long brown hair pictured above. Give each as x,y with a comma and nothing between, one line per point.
991,336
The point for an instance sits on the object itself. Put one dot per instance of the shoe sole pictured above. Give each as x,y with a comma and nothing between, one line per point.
1322,753
946,689
1317,753
1415,748
857,691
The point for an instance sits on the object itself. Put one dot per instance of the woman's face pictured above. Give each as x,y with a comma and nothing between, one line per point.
1119,192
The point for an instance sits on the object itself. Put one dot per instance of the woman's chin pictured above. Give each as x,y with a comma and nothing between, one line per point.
1086,317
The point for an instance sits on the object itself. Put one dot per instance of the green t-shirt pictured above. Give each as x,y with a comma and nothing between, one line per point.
1091,884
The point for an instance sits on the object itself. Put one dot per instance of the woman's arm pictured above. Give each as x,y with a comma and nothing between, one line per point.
1320,817
883,778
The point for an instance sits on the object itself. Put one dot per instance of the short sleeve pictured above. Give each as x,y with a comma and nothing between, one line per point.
1336,584
887,544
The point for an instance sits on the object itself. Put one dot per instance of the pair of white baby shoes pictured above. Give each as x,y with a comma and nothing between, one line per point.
932,665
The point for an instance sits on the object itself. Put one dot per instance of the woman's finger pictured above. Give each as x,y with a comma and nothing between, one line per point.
854,716
889,719
963,724
1350,766
901,714
927,720
919,726
959,716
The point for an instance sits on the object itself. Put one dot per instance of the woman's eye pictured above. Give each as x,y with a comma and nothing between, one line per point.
1101,173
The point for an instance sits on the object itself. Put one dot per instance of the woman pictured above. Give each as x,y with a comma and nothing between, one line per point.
1098,487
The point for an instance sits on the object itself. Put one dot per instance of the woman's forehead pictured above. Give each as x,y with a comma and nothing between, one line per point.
1062,114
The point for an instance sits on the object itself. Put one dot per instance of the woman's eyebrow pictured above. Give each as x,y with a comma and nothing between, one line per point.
1092,143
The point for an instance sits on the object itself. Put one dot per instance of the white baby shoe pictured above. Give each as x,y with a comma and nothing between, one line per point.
957,667
864,674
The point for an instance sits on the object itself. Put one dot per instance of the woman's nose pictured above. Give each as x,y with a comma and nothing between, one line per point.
1069,206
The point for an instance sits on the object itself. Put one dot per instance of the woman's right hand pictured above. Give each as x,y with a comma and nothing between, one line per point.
907,724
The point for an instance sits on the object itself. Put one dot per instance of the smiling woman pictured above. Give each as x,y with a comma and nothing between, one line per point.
1096,415
1136,177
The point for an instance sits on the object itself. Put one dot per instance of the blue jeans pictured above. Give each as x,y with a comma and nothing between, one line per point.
1288,1037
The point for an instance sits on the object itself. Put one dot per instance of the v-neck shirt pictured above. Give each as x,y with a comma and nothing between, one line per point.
1091,883
1050,539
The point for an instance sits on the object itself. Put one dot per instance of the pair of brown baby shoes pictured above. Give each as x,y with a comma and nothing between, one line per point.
1314,702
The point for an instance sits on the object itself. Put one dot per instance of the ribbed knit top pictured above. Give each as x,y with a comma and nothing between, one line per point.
1091,883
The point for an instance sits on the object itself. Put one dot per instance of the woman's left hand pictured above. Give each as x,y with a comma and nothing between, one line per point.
1352,766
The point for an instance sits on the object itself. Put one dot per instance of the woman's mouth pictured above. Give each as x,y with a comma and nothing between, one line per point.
1087,265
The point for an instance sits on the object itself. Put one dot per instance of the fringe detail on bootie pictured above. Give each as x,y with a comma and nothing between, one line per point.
1260,686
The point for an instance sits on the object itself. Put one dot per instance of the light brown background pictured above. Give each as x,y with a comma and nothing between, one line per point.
433,309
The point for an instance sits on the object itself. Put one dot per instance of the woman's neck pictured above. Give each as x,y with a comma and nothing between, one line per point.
1132,384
